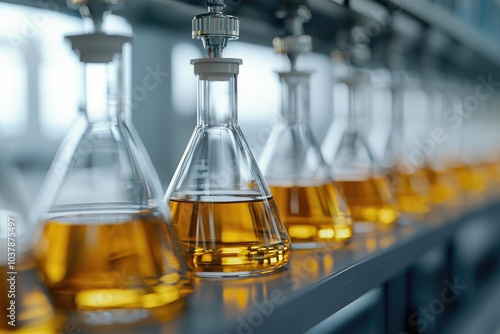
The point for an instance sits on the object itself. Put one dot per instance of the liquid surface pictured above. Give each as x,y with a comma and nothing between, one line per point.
314,216
412,191
231,238
370,200
33,310
95,263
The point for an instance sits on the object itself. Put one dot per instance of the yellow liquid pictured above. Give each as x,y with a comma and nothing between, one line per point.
94,263
34,313
231,238
370,200
444,188
473,181
412,192
493,171
314,216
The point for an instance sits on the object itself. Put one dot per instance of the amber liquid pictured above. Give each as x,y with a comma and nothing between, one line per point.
233,238
118,262
314,216
370,201
412,191
473,181
444,188
492,169
33,310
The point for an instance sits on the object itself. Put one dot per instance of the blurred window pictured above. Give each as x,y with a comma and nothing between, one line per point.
40,76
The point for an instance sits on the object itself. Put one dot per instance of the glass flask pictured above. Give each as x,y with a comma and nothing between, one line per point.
474,144
103,244
404,160
483,138
444,188
472,179
310,204
366,188
490,123
24,298
222,209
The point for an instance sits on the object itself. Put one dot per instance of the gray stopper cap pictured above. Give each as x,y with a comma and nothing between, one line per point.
295,74
98,47
216,68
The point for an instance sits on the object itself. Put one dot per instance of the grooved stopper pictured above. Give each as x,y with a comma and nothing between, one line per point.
216,25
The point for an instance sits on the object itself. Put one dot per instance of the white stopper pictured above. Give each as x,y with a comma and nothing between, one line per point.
98,47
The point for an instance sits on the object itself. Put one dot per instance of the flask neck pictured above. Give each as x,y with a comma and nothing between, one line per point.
295,96
103,91
397,117
357,106
217,101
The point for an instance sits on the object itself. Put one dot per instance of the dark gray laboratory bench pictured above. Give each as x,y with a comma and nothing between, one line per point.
413,278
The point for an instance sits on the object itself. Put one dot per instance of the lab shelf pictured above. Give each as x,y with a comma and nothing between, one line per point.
316,284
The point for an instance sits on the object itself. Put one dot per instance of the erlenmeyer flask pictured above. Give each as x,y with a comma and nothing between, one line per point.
103,244
24,298
310,204
366,188
489,124
444,187
222,209
403,159
471,178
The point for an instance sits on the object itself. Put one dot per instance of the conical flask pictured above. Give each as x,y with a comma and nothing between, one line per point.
403,159
310,204
365,186
473,180
222,209
24,299
489,124
444,188
103,244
